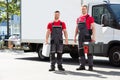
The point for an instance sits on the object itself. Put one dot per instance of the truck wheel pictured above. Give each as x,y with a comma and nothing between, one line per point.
41,57
74,54
27,51
114,56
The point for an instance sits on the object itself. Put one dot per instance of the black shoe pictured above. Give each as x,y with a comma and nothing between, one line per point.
90,68
61,68
52,69
81,68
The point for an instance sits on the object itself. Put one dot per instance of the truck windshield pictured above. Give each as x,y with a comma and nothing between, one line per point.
116,10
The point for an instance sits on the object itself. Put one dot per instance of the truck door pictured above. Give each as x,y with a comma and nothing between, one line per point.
103,33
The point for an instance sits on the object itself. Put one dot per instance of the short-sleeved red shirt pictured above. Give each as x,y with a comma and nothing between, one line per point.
88,19
56,24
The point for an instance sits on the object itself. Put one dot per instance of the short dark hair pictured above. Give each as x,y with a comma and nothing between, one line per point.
57,11
85,6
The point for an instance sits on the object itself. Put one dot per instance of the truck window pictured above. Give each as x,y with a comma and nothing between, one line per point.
106,11
116,9
97,12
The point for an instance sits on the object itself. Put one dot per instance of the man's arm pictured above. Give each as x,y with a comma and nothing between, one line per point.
47,36
76,33
93,31
66,36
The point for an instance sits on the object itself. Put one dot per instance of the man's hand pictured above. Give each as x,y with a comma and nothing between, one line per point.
66,41
46,42
93,39
75,40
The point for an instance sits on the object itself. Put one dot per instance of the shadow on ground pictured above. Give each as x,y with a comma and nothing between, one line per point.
96,73
69,61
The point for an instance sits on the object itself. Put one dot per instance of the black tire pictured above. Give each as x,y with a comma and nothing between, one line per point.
41,57
74,54
27,51
114,56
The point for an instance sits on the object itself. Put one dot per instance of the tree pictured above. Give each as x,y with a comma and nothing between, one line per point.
2,16
13,9
10,8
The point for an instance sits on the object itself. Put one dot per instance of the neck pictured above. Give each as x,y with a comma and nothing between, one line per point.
56,20
84,14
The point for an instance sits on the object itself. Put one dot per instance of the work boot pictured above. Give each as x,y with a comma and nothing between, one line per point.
81,68
52,68
61,68
90,68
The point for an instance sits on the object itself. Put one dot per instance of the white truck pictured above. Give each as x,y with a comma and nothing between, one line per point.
36,14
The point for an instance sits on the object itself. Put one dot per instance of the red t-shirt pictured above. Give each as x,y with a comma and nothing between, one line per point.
88,19
56,24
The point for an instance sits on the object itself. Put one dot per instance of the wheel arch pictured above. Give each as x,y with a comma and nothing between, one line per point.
112,44
38,47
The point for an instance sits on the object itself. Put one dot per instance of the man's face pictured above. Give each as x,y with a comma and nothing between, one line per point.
57,16
84,10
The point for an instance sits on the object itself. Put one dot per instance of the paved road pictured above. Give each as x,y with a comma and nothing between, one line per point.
17,65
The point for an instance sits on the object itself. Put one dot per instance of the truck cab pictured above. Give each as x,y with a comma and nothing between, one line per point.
107,23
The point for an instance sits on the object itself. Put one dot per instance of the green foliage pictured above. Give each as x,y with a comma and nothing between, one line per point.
13,8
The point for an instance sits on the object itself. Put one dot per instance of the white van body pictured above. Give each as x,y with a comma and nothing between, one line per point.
36,14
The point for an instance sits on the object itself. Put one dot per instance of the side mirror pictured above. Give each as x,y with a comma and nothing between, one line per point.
105,20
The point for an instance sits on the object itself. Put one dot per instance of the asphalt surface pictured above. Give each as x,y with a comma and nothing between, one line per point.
17,65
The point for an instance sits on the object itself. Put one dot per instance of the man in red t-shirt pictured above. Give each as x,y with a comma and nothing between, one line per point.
86,30
55,29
